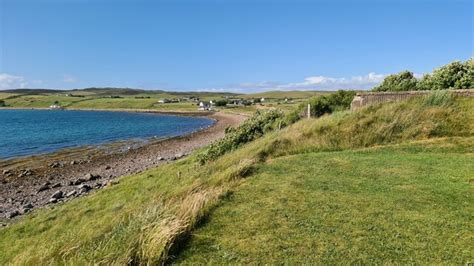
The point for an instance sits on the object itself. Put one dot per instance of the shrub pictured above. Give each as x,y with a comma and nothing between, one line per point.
426,83
455,75
292,117
326,104
221,102
2,103
403,81
250,129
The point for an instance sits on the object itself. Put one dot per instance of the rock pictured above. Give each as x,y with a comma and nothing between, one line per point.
98,185
84,188
53,200
73,162
160,158
78,181
90,177
71,193
6,172
107,167
172,158
43,187
57,195
25,172
12,214
179,155
55,165
56,185
26,208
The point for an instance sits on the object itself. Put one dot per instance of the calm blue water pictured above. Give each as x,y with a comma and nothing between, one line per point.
28,132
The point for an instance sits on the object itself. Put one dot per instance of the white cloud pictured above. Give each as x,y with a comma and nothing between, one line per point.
8,82
331,83
69,79
311,83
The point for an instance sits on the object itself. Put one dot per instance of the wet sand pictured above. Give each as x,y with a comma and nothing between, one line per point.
35,181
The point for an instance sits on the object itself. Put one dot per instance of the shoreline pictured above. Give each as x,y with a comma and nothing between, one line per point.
30,182
177,113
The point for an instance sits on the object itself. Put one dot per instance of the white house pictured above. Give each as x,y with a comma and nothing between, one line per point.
204,106
55,107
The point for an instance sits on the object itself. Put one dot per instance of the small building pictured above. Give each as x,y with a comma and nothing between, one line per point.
55,106
205,106
164,101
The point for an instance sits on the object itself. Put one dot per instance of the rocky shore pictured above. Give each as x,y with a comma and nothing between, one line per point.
37,181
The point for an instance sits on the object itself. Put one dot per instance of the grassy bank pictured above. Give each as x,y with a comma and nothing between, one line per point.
330,184
397,204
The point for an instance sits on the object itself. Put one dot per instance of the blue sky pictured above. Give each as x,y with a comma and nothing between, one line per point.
240,46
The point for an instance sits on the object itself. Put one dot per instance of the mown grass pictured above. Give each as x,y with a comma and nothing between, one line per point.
370,206
142,218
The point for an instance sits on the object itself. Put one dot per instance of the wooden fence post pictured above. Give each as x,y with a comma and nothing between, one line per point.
309,110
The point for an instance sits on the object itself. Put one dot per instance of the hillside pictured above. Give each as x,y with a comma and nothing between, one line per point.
136,99
284,94
388,183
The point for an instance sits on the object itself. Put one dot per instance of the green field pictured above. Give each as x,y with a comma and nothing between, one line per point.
137,99
387,184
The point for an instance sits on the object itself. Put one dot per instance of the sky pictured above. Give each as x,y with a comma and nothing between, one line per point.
237,46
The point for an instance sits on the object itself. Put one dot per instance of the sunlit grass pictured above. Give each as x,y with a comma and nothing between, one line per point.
387,205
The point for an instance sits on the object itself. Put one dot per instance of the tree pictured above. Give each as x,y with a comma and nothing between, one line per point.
455,75
403,81
221,102
425,83
2,103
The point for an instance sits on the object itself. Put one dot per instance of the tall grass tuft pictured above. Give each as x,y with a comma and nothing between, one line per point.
439,98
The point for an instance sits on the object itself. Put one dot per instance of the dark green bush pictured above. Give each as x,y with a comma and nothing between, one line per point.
455,75
250,129
221,102
403,81
326,104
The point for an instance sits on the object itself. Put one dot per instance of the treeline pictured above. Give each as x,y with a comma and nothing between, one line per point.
455,75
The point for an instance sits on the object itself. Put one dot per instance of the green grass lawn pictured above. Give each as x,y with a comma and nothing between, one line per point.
373,206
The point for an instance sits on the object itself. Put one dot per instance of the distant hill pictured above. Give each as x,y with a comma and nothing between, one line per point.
285,94
30,91
107,91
